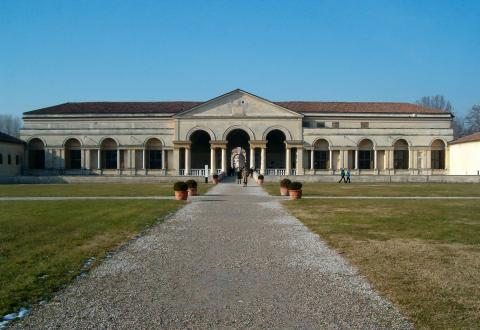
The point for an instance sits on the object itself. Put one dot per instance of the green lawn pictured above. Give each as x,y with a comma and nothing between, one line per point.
91,189
44,245
424,255
383,189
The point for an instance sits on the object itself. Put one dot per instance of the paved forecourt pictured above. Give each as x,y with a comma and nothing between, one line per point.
234,258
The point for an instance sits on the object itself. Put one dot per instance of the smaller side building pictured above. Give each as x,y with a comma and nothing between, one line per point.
465,155
11,155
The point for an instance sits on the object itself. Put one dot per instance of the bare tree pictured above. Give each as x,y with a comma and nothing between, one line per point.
10,125
439,102
472,120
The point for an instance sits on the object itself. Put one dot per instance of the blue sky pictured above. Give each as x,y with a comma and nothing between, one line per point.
59,51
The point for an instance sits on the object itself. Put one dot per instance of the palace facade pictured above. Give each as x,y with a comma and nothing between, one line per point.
277,138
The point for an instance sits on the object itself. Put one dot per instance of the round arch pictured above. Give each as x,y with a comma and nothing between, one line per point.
438,147
321,141
407,141
103,139
361,140
109,153
401,155
199,149
73,153
200,128
436,141
365,153
321,154
153,153
286,132
38,138
276,156
238,127
36,153
149,138
70,138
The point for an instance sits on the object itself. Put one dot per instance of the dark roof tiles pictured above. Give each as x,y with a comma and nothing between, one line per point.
10,139
179,106
469,138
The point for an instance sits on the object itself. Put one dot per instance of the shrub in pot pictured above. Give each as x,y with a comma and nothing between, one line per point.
181,190
295,190
215,178
284,187
192,187
260,179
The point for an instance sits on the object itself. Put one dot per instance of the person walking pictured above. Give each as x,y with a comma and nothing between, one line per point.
348,176
239,176
245,177
342,176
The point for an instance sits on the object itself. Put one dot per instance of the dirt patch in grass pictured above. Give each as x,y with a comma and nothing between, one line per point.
422,255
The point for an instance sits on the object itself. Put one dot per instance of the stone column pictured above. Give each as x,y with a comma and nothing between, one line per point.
187,161
62,158
118,159
213,160
299,161
224,160
144,157
263,160
312,163
330,161
176,160
410,158
356,159
87,158
99,159
428,161
375,159
288,161
342,159
163,159
252,157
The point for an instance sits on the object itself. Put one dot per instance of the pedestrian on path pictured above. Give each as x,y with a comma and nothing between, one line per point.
239,176
245,177
348,176
342,176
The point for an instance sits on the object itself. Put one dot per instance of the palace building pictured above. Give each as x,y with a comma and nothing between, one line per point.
277,138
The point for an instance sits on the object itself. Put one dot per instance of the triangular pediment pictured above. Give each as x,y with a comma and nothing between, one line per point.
238,103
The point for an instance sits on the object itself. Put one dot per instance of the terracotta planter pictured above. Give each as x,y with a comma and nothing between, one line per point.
192,191
215,181
260,181
181,195
283,191
295,194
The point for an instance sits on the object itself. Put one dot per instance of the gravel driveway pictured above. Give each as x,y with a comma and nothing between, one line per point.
234,259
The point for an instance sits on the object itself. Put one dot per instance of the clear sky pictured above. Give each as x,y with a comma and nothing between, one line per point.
59,51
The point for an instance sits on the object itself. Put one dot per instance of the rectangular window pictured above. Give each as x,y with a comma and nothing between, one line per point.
335,124
320,124
364,124
305,124
400,159
320,159
17,159
76,159
9,159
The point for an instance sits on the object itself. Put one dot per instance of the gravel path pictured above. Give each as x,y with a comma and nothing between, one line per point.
233,259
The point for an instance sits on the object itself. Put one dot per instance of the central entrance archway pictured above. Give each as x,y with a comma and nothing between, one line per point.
238,147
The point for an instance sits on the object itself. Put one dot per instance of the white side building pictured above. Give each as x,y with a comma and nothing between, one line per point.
465,155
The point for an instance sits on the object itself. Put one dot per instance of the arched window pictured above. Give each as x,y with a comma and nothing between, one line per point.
153,149
365,154
438,155
73,154
276,149
321,155
109,153
36,154
400,154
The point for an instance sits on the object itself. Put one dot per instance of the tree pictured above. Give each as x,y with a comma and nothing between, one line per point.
10,125
472,120
439,102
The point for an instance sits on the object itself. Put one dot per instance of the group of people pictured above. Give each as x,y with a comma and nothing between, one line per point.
243,174
345,176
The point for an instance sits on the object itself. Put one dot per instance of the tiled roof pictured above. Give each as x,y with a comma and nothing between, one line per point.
179,106
469,138
10,139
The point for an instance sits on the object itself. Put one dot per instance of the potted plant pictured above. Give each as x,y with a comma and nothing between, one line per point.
295,190
260,179
181,190
215,178
192,187
284,187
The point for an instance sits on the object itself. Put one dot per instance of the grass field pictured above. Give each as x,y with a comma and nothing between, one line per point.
44,245
423,255
383,189
91,189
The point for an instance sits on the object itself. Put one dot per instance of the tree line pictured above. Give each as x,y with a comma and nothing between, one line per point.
461,125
